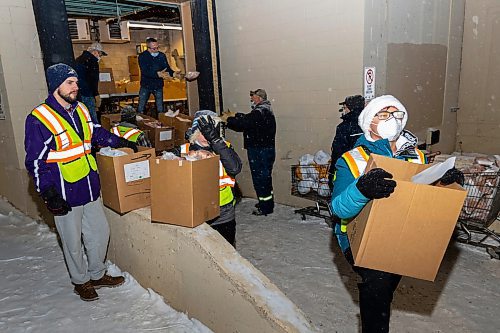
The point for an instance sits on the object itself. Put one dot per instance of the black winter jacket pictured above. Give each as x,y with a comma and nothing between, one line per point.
346,135
87,68
258,126
228,157
150,66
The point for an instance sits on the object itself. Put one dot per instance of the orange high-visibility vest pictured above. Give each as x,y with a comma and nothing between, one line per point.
72,155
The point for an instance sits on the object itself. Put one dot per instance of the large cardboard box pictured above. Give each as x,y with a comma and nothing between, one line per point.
181,123
106,81
174,89
185,193
161,137
109,120
408,232
133,86
126,180
133,65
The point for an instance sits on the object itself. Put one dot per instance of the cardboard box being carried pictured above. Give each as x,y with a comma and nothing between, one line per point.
125,180
185,193
161,137
408,232
109,120
181,123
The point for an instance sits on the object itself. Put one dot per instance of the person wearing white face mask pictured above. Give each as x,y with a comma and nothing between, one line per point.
154,69
383,121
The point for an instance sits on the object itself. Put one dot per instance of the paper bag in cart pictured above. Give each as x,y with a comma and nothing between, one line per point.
408,232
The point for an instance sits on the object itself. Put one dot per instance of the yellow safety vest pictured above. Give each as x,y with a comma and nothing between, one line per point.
357,159
72,155
225,181
131,134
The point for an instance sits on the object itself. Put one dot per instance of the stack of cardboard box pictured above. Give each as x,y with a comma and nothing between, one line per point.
180,192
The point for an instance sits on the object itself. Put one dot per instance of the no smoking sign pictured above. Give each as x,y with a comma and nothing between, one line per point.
369,83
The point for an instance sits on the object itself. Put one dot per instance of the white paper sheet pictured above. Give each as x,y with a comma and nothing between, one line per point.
136,171
166,135
105,77
434,173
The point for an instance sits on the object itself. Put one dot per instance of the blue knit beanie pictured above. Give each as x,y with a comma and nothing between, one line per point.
57,74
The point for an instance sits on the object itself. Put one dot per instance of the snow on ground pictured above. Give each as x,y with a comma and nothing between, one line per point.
36,294
298,256
304,261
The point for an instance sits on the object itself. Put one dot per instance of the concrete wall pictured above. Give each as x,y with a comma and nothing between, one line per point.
307,55
479,114
22,86
198,273
415,46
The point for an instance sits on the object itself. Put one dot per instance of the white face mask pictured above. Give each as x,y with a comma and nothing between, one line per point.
155,54
389,129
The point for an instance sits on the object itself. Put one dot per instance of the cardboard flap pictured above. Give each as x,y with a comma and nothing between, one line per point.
399,169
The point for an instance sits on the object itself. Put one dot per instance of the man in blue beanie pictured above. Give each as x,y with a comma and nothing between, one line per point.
59,135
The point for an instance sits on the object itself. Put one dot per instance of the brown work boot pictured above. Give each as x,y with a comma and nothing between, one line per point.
108,281
86,291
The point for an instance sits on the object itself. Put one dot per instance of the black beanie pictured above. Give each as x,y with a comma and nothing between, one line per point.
57,74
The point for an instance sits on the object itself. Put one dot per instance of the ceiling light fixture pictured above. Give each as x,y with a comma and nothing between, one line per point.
154,25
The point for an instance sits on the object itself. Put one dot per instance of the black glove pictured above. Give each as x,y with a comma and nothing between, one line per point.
208,129
453,176
55,203
124,143
373,184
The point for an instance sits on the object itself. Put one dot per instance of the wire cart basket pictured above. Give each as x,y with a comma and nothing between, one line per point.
311,182
481,208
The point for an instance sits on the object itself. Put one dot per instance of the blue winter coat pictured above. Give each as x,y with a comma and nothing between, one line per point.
39,141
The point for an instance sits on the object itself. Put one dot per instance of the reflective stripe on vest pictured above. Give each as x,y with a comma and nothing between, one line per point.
420,159
126,133
356,160
71,154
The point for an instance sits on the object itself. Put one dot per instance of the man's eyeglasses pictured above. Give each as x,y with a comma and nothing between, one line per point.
384,115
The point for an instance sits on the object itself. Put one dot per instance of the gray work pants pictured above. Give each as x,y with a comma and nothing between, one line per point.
85,223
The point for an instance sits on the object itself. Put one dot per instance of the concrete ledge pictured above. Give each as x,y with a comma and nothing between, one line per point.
200,274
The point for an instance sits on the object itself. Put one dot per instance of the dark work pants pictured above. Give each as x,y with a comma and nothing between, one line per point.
261,162
227,230
376,291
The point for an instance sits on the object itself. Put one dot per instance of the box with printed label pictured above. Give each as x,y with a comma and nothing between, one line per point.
106,81
161,137
181,123
408,232
126,180
184,193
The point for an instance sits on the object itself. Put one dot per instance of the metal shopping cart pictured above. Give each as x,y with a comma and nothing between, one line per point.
311,182
481,208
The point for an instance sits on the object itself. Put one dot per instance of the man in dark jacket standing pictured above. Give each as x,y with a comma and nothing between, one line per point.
59,135
154,68
87,67
348,131
259,132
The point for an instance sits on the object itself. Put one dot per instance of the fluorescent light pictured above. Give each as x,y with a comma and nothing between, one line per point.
153,25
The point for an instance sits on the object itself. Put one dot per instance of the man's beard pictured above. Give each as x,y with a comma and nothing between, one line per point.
67,97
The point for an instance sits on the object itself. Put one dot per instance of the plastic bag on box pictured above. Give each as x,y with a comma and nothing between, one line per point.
108,151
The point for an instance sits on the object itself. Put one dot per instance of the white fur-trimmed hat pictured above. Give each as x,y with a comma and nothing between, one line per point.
375,105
